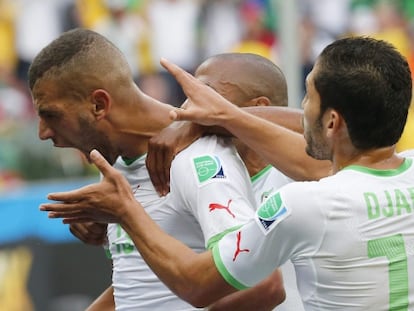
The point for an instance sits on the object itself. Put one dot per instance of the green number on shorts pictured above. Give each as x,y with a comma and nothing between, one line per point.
393,248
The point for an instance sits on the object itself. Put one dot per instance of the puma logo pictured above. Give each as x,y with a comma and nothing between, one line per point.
238,249
214,206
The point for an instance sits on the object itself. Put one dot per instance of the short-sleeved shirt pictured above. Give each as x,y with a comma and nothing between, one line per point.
210,195
265,182
350,237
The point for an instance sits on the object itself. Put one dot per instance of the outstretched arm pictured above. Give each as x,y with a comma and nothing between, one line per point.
283,148
193,277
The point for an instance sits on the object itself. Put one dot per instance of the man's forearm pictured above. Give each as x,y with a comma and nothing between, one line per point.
281,147
264,296
191,276
276,134
290,118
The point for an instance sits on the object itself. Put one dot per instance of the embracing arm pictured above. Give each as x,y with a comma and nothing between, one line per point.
281,147
290,118
266,295
191,276
287,153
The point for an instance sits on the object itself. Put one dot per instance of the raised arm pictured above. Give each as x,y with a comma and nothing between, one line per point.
283,148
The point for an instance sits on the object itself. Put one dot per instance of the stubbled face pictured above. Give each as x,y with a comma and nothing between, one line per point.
316,145
70,123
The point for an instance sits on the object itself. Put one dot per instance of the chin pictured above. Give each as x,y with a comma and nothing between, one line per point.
110,158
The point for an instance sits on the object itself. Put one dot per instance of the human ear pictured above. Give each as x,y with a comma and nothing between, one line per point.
101,101
260,101
333,121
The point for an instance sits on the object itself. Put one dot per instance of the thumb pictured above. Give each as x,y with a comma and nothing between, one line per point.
100,162
179,114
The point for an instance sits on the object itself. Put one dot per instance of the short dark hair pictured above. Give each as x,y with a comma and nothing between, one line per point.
76,56
369,83
247,66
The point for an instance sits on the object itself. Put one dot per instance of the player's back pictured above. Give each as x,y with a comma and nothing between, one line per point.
360,253
350,237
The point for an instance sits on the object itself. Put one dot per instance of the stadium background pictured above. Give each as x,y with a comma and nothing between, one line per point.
42,266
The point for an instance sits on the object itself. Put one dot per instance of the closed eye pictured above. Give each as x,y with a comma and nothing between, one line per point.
47,114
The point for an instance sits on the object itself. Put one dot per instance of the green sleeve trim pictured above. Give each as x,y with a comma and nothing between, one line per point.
214,239
223,271
260,174
384,173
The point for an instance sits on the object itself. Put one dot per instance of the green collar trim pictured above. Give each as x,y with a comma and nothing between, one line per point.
384,173
261,173
129,161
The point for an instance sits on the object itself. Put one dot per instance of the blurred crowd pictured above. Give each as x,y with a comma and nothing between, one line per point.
183,31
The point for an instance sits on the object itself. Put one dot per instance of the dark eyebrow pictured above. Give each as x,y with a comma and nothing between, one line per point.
42,112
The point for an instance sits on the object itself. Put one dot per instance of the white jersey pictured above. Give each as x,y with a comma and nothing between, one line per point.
210,195
350,237
264,183
409,153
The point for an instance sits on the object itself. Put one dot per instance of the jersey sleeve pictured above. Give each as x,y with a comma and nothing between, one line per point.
216,189
276,234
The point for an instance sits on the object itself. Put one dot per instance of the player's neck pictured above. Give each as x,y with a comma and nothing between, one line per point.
379,158
138,124
143,117
253,162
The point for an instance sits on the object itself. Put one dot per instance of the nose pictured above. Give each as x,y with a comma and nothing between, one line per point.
45,132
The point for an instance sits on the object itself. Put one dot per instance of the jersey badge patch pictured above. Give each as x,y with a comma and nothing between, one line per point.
208,167
271,212
265,195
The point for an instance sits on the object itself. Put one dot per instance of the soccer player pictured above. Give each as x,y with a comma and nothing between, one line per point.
349,235
85,96
246,80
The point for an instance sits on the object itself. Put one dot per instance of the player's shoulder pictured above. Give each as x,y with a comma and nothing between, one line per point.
206,145
308,191
300,187
209,144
